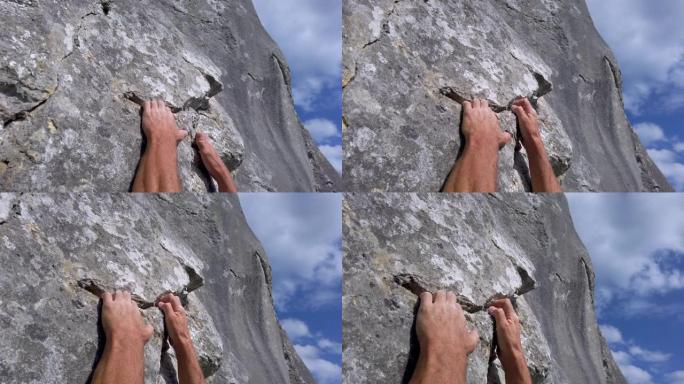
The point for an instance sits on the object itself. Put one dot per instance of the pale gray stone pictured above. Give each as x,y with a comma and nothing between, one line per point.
69,71
522,246
407,63
59,250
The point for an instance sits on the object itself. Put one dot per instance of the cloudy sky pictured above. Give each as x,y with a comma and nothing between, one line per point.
309,32
636,243
302,235
647,37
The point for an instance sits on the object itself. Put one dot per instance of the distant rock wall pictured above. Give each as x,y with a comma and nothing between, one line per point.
69,70
59,250
479,246
409,64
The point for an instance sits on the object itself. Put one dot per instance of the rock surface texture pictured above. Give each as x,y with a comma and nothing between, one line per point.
481,247
58,251
71,70
408,64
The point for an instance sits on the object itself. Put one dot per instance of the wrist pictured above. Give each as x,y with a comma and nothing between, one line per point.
161,141
481,144
534,145
122,340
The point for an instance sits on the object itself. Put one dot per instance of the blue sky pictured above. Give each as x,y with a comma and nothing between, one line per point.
647,36
636,243
302,235
309,32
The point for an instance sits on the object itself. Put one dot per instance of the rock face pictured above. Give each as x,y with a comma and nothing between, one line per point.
58,251
480,246
409,64
70,72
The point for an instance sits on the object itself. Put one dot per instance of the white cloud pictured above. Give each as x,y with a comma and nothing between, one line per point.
321,129
668,164
325,371
621,357
676,377
679,146
296,329
625,234
649,356
310,34
635,375
301,233
649,133
330,346
334,154
611,334
646,38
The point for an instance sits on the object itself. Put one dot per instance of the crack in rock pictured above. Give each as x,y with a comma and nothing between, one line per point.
98,288
198,104
23,115
417,286
544,87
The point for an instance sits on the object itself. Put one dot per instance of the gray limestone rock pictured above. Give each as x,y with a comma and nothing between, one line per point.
409,64
59,250
521,246
72,71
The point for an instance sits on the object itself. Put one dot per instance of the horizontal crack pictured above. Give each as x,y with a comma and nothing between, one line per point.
200,103
544,87
22,115
98,288
417,286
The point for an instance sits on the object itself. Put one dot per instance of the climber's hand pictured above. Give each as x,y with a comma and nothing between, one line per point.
441,327
529,124
121,320
159,124
510,349
481,126
212,161
175,319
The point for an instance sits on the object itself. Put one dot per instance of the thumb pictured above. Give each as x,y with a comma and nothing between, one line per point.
181,134
166,308
148,331
473,339
505,138
498,315
519,111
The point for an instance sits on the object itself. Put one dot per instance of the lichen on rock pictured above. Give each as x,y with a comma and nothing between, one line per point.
68,69
407,66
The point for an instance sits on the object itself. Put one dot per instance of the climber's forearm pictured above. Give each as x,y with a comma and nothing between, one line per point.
189,370
543,177
475,171
516,371
226,183
437,368
120,363
158,170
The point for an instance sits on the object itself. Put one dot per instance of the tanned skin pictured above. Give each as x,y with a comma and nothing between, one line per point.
158,167
543,177
445,341
176,320
510,349
477,168
126,335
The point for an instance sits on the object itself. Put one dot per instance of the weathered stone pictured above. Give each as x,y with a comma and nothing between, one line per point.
72,71
482,247
409,64
58,251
